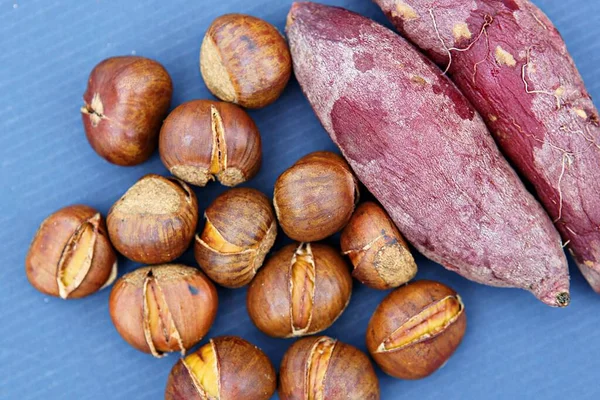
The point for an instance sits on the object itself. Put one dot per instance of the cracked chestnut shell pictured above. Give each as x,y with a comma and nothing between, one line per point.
301,290
245,60
125,102
322,368
155,220
315,198
70,255
204,140
381,257
240,230
163,308
416,329
228,367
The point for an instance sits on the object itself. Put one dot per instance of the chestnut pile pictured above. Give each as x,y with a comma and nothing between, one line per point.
301,290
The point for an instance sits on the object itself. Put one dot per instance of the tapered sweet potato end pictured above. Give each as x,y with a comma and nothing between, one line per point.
554,294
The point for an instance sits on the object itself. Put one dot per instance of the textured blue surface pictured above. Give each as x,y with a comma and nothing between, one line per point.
515,347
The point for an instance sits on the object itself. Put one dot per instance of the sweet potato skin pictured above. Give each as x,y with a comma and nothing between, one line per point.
518,74
421,149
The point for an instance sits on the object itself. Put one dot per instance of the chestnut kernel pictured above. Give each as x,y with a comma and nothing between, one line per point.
70,255
227,367
416,329
125,102
163,308
322,368
302,290
245,60
315,198
155,220
204,140
240,230
379,253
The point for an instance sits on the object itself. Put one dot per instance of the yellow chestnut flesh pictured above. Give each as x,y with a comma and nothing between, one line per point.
317,368
227,368
426,324
213,239
203,368
158,321
303,288
70,255
80,258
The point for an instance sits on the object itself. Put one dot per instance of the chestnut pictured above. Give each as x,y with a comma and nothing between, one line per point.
70,255
163,308
300,291
155,220
228,367
415,329
125,102
315,198
204,140
240,230
322,368
381,257
245,60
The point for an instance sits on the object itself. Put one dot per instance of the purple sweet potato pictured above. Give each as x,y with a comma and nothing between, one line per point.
419,146
510,61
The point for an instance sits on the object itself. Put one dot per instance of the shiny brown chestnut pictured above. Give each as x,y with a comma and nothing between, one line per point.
322,368
204,140
315,198
70,255
379,253
301,290
227,367
125,102
155,220
163,308
240,230
416,329
245,60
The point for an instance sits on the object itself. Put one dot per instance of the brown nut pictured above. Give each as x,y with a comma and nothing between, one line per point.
70,255
240,230
302,290
204,140
415,329
245,60
381,257
125,102
163,308
322,368
155,220
315,198
228,367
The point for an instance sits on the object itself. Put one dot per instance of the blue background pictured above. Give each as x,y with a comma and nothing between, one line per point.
515,347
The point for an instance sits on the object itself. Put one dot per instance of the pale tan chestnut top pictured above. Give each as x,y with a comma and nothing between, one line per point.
317,368
70,255
245,60
154,221
204,140
240,230
379,253
163,308
228,367
300,291
315,198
